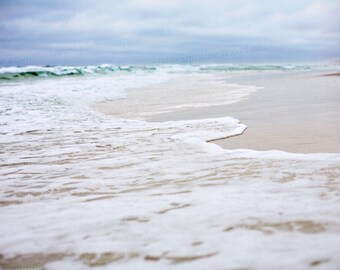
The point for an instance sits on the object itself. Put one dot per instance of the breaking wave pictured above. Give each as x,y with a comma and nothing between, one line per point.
13,73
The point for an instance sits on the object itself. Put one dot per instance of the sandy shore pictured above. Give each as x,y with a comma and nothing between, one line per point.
298,113
292,112
81,190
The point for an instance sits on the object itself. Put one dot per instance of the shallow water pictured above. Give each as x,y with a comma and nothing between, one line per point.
81,189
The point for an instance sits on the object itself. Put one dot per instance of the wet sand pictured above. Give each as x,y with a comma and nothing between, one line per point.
293,112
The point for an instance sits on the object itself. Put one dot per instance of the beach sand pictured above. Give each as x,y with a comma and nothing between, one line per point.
293,112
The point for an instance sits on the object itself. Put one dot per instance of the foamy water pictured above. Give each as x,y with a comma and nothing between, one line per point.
80,189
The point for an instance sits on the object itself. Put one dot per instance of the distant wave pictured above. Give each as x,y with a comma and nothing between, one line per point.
12,73
253,67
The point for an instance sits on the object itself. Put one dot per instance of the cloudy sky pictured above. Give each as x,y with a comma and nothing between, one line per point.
84,32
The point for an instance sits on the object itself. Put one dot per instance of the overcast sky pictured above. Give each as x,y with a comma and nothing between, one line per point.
84,32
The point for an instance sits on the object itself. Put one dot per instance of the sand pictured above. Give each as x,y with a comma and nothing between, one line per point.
293,112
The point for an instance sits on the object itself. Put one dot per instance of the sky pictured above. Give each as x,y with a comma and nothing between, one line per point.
89,32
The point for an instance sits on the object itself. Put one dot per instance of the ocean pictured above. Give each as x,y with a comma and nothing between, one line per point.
80,188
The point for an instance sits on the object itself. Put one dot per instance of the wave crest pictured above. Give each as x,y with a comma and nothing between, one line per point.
12,73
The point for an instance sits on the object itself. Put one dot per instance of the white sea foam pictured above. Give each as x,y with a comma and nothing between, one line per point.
76,182
13,73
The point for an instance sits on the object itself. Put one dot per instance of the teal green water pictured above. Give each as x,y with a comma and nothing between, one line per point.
13,73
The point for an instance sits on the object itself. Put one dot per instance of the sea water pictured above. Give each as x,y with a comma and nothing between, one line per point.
82,189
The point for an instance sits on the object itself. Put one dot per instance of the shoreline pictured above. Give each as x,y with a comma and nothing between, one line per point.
280,116
133,194
299,133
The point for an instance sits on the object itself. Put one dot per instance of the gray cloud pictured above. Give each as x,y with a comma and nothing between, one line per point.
153,31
